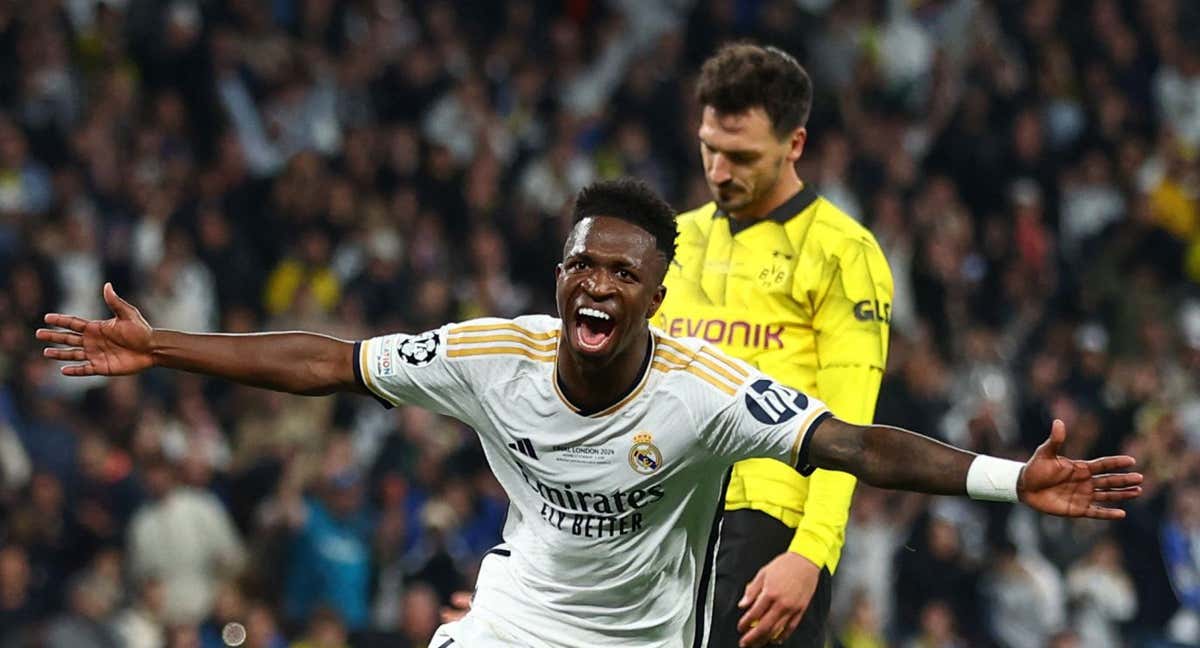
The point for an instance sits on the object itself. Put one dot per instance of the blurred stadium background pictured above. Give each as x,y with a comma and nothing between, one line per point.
359,166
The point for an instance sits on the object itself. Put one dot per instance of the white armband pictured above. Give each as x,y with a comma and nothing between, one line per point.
993,479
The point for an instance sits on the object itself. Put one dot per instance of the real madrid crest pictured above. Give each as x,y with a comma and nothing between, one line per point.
644,456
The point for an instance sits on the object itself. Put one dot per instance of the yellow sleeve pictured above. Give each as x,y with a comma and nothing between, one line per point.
851,325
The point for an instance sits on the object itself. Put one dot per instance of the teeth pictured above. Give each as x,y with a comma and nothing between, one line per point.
592,312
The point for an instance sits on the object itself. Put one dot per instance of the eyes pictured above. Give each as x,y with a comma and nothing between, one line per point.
738,158
582,265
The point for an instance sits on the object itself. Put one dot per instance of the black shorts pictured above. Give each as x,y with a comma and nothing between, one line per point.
749,540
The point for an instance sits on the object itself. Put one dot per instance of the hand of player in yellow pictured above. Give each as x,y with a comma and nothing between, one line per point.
777,599
1057,485
113,347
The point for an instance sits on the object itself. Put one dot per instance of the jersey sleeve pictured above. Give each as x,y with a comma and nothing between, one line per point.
851,323
766,419
402,369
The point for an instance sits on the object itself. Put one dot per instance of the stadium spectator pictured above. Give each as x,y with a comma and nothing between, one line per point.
184,537
330,556
140,625
1102,596
91,599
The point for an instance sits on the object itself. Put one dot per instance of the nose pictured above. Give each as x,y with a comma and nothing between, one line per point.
599,285
718,169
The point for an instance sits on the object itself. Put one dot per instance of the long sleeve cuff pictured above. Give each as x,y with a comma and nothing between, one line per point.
812,546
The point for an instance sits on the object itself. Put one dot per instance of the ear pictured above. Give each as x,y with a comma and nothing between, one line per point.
797,140
656,301
558,270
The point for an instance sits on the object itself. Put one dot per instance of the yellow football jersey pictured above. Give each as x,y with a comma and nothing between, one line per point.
805,296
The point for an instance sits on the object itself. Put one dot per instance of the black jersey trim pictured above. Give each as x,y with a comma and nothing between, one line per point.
781,214
703,604
361,379
623,399
802,465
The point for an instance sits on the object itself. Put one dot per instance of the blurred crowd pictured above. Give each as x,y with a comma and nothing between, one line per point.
1032,170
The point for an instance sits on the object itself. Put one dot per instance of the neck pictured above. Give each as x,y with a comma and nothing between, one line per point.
789,184
591,386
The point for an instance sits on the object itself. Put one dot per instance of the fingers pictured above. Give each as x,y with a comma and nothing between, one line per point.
1111,464
752,590
79,370
1103,513
70,355
1058,434
1117,495
1118,481
754,616
77,324
764,630
792,624
121,308
781,628
60,337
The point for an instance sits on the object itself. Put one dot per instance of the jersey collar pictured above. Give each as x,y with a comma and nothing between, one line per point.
621,401
781,214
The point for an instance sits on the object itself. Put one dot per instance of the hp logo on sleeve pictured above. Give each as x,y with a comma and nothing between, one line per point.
772,403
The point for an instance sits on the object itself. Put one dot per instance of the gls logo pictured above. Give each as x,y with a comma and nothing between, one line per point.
772,403
869,310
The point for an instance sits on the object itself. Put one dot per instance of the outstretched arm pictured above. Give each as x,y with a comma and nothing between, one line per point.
299,363
889,457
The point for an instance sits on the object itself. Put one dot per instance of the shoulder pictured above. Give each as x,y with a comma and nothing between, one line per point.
835,231
834,240
527,338
531,325
701,213
696,221
700,368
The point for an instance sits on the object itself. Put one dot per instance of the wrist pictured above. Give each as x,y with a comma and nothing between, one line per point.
993,479
810,547
156,347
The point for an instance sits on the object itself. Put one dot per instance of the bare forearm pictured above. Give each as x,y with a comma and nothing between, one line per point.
299,363
889,457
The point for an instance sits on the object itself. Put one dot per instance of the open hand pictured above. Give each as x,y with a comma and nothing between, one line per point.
112,347
1074,488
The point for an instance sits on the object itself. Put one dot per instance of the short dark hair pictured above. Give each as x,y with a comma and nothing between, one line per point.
742,76
633,201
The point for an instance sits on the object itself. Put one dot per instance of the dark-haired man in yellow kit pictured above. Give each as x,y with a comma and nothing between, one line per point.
778,276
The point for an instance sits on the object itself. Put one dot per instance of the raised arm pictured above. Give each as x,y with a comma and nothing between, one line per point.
890,457
299,363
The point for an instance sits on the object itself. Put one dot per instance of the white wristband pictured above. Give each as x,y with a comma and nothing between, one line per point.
993,479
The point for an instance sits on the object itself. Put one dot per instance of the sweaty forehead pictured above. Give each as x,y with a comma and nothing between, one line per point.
610,237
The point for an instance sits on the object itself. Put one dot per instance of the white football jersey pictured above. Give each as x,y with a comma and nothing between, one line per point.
614,515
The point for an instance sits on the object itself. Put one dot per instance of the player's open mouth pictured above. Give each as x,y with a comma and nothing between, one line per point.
593,329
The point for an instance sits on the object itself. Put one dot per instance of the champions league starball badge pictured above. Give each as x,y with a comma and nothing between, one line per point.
419,350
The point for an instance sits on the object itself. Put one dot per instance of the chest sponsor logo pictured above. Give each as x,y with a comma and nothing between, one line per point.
772,403
594,514
645,457
728,332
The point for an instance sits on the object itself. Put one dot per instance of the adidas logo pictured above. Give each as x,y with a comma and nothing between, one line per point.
524,447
